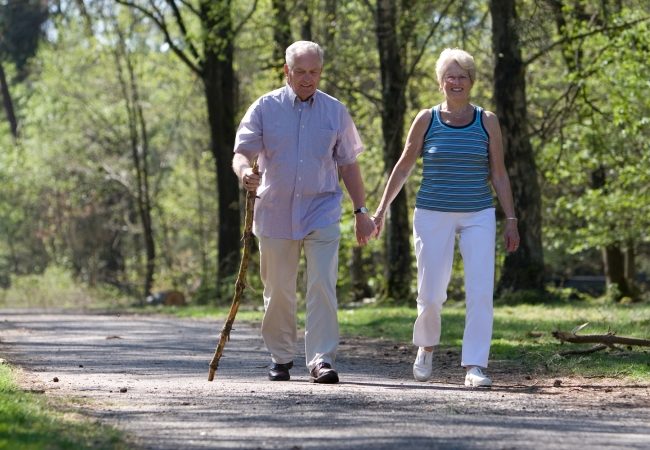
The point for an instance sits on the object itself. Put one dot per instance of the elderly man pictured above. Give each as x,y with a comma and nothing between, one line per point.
303,139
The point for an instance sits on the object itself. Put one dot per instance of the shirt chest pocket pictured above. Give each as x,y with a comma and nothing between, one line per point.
322,144
279,144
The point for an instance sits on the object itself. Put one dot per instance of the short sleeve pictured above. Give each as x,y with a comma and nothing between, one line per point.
248,140
348,145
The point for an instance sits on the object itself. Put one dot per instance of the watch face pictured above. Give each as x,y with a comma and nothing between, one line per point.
362,210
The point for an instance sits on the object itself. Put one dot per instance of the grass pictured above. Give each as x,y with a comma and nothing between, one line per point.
521,335
29,422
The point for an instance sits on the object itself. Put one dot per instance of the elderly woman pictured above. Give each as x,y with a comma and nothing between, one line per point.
462,153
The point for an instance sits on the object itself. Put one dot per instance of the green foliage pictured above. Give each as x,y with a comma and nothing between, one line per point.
68,185
597,166
56,288
28,422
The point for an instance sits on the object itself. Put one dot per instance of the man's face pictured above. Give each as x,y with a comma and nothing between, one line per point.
305,74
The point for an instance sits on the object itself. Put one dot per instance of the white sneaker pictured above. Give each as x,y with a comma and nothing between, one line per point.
476,378
423,365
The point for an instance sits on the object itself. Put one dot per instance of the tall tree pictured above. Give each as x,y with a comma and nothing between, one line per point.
523,269
393,80
396,22
210,56
139,143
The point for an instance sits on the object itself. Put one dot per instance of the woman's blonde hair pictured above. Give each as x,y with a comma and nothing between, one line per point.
455,55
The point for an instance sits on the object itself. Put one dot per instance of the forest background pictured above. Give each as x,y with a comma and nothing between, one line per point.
119,117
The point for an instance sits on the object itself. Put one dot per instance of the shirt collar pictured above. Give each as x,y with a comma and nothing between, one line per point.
294,99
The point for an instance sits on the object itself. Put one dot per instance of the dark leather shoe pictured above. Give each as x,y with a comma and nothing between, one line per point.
323,373
280,372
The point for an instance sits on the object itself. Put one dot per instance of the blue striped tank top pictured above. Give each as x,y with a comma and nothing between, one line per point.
455,166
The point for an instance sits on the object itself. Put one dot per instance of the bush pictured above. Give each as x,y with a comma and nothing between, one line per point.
57,288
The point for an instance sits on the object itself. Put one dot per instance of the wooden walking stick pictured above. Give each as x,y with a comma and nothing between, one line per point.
240,284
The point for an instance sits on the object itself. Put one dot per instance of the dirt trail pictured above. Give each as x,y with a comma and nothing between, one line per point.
162,363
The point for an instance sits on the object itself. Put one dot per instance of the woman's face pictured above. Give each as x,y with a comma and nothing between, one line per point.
456,83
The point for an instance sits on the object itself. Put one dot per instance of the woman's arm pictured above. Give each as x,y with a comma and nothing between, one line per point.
402,170
501,181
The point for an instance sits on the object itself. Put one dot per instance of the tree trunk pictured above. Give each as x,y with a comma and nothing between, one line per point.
8,104
393,80
219,83
630,263
281,34
328,44
614,262
523,269
200,204
139,140
305,21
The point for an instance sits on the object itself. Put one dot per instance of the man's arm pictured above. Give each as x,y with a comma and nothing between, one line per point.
248,143
364,227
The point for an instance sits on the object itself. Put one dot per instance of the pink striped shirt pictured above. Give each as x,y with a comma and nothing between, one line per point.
299,147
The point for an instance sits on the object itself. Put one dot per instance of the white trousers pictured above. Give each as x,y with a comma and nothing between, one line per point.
435,236
279,260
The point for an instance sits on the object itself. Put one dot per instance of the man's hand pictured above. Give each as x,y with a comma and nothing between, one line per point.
250,180
364,228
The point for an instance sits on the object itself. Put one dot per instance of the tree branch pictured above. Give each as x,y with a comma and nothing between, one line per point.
181,26
191,7
160,23
245,19
581,36
433,29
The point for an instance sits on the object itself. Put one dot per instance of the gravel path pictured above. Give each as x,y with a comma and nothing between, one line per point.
162,364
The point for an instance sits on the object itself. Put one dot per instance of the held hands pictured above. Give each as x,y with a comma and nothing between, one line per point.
364,228
378,219
250,180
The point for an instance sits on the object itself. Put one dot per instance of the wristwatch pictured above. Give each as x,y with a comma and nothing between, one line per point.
362,210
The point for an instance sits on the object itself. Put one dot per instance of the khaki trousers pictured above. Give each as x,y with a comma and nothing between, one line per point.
279,260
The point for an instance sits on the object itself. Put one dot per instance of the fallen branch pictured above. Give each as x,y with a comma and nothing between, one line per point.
585,351
609,339
240,284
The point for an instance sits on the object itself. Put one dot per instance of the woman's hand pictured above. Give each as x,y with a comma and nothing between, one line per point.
511,235
378,218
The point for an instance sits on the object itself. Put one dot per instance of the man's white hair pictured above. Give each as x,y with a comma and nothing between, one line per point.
300,47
